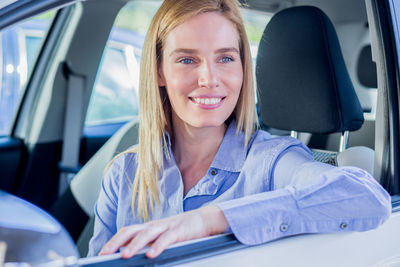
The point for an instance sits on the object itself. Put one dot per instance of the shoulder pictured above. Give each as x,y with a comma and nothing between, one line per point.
123,160
265,151
264,145
263,139
121,167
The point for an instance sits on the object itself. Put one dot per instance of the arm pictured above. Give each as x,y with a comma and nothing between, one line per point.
312,197
309,197
159,234
105,211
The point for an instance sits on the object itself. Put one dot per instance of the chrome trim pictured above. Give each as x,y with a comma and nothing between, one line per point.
344,139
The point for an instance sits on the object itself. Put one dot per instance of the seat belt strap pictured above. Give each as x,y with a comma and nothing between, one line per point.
73,121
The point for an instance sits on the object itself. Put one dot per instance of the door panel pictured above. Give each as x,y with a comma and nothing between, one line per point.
10,157
39,181
21,43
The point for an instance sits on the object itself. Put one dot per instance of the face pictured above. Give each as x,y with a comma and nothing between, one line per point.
202,70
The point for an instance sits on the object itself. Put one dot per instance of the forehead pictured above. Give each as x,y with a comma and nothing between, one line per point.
209,30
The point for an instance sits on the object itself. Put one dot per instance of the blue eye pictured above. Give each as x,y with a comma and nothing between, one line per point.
226,59
186,61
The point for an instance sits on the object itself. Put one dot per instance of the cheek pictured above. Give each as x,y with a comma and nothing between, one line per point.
234,80
177,88
177,81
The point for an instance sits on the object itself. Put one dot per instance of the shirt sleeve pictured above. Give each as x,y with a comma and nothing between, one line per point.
105,210
309,197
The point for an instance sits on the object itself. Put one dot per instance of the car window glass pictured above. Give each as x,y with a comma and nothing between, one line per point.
254,22
115,96
19,47
115,93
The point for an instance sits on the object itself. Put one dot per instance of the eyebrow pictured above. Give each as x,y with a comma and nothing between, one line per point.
194,51
227,49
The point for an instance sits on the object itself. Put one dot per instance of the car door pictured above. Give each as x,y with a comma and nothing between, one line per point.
32,141
14,72
36,139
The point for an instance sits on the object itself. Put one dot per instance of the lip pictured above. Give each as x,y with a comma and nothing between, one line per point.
207,106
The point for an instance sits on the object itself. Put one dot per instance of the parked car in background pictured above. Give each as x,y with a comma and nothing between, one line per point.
94,46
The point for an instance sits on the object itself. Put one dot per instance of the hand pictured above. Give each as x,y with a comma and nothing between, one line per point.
159,234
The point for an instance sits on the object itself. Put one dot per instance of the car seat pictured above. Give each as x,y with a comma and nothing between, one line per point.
75,208
303,83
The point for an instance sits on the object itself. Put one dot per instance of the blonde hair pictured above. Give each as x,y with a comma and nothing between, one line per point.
155,109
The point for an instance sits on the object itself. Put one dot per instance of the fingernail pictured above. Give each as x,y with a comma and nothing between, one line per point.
151,252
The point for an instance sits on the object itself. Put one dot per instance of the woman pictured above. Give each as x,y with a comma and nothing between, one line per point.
201,168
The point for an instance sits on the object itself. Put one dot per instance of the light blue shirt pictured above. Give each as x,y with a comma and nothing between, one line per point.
271,189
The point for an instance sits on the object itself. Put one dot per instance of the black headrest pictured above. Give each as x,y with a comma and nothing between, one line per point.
366,68
302,79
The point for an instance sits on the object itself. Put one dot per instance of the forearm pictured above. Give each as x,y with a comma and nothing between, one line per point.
214,219
336,201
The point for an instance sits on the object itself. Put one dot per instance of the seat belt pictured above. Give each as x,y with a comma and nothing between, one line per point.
73,120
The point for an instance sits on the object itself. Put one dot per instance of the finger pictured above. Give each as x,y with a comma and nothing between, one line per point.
122,237
166,239
142,239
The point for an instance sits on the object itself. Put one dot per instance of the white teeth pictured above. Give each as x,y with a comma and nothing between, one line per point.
207,101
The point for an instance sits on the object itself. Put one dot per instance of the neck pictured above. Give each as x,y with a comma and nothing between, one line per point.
194,149
194,145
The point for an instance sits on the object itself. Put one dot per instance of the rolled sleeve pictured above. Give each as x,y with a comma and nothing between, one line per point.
312,198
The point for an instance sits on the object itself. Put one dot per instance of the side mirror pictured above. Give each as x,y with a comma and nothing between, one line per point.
30,236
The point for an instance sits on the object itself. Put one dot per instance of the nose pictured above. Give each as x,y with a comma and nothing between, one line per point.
208,75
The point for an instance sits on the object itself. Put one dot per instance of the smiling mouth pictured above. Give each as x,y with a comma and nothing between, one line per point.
207,101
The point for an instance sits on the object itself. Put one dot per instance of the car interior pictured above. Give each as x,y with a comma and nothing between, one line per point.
332,110
328,104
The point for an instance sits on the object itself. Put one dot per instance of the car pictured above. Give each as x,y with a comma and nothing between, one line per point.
43,148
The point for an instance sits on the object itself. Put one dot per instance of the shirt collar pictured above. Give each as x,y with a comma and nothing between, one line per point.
231,153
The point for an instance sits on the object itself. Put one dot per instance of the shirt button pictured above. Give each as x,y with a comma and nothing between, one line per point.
213,172
284,227
343,226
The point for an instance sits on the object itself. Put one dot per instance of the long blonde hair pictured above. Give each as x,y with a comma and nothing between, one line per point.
155,109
